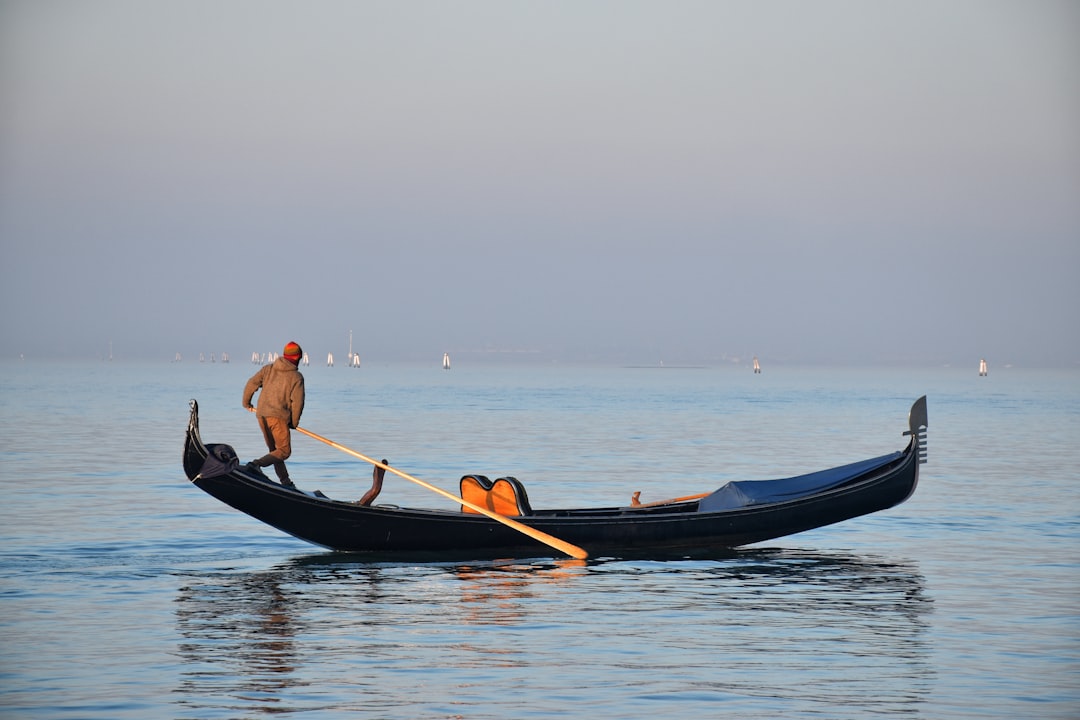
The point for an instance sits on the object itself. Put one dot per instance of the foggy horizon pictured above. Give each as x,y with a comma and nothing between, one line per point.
491,357
613,182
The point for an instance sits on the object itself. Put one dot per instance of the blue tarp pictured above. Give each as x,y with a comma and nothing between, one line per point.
756,492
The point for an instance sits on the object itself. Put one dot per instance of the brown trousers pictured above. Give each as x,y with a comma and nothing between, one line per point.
278,440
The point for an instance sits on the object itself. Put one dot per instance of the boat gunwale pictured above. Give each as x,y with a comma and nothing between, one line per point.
673,511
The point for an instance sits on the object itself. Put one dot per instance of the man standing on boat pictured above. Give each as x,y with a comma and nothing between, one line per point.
281,402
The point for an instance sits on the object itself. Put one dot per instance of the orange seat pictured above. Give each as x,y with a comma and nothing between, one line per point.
505,496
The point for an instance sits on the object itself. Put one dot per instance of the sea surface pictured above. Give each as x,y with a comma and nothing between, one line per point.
127,592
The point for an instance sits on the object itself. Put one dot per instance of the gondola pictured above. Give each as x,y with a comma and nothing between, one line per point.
737,514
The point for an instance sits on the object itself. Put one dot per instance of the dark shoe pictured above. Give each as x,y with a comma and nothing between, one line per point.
288,483
251,467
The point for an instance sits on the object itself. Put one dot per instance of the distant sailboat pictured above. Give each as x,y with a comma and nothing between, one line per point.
757,366
224,357
330,360
982,368
306,360
354,358
446,361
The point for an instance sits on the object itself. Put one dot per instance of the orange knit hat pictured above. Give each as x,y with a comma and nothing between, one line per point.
292,351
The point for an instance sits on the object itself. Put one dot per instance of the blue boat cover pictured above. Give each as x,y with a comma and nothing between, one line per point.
756,492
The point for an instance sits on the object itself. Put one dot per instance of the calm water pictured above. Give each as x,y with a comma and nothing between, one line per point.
128,593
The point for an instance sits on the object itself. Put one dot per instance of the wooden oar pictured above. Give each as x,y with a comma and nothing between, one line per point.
635,504
561,545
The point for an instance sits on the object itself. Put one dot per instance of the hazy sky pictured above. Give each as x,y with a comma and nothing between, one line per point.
865,182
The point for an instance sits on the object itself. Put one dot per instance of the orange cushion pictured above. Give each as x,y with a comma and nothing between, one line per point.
505,496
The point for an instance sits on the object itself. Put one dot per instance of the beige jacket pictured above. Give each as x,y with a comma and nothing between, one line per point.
282,393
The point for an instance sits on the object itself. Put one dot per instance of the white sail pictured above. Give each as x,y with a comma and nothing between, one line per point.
446,361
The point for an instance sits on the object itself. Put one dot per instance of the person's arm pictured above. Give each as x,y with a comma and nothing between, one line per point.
254,383
296,402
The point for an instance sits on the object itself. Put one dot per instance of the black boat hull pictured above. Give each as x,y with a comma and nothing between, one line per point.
656,530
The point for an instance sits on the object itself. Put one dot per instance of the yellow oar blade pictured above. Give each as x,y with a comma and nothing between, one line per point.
561,545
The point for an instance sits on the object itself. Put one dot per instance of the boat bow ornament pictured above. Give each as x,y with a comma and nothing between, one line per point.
917,424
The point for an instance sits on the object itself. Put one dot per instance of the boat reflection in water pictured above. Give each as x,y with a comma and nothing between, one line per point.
330,632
